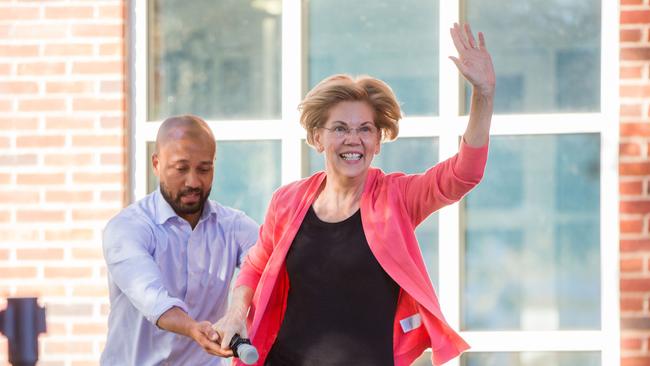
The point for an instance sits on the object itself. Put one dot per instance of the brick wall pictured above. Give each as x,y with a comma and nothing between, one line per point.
62,164
635,182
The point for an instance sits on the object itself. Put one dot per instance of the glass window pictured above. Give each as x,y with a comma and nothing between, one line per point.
246,174
531,359
215,59
407,155
547,58
396,41
536,216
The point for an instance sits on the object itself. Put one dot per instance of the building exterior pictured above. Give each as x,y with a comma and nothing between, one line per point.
547,263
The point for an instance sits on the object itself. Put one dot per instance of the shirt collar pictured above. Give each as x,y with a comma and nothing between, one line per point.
164,211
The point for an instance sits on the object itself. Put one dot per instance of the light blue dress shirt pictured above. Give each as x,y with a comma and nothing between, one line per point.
156,261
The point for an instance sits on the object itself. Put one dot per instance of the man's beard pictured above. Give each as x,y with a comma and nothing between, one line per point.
178,206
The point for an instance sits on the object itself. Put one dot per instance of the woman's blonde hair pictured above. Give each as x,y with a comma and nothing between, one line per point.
314,109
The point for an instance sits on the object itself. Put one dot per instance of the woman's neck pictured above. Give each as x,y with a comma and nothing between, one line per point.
338,200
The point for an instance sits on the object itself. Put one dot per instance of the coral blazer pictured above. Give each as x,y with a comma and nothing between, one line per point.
392,205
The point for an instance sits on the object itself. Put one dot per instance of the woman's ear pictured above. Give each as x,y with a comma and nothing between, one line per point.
318,140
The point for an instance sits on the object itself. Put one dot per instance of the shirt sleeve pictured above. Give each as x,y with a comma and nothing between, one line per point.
132,268
443,184
258,256
246,236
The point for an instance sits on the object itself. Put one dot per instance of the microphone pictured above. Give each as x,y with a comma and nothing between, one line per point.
244,350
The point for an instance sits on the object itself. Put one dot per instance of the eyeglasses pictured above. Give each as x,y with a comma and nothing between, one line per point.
363,132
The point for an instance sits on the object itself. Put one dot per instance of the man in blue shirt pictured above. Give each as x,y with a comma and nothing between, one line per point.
171,257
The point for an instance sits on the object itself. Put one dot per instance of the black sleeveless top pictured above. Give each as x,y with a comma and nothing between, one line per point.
341,303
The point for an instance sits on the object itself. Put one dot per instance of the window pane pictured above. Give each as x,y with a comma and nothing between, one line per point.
531,359
532,236
408,155
216,59
396,41
246,174
547,58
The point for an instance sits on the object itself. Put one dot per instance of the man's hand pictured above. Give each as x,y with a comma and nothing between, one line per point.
203,334
178,321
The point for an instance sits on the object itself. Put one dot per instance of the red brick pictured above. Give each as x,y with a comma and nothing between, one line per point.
90,328
87,253
18,50
40,178
18,160
112,122
68,234
20,197
5,142
112,159
635,16
39,32
111,11
19,234
68,196
68,159
97,104
630,35
635,360
40,141
112,196
100,178
5,69
631,265
635,285
631,72
634,188
635,245
69,122
40,215
90,291
635,91
98,30
98,67
631,344
635,129
97,140
631,226
41,68
41,291
41,105
14,13
68,272
17,272
631,2
6,105
70,347
94,214
111,86
629,149
72,49
18,123
5,216
18,87
50,254
635,53
69,12
4,254
637,168
66,87
111,49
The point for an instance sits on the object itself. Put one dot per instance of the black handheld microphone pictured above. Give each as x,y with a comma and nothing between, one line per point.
243,349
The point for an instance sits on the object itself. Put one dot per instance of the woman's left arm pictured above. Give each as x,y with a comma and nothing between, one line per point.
475,64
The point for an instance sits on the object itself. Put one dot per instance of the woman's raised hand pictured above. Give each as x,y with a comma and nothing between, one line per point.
473,61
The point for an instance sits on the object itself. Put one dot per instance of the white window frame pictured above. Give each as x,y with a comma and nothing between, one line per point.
448,126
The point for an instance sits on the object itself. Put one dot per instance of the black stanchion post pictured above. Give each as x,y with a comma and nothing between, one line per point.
21,322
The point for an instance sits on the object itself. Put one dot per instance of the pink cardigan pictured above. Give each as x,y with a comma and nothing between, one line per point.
391,207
